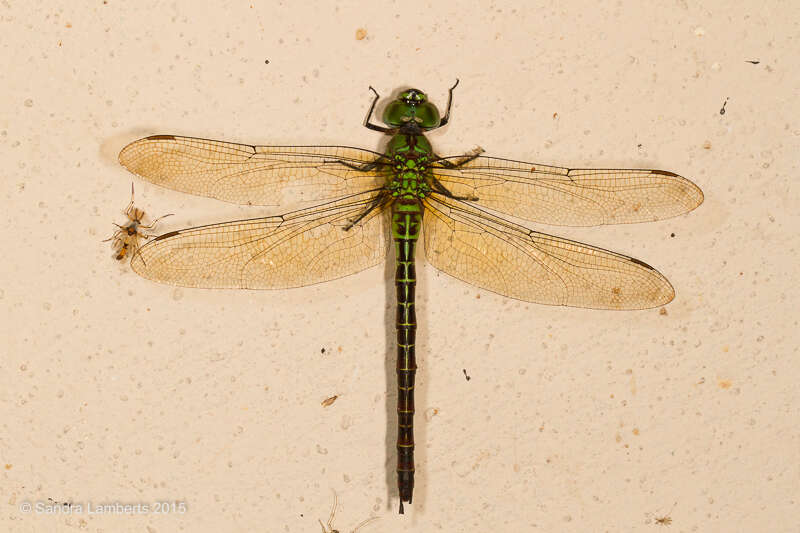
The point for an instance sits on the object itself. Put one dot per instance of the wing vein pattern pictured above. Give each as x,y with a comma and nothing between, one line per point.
475,246
296,249
252,175
571,197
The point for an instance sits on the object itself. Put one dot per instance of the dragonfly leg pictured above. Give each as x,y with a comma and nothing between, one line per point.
441,189
367,122
379,200
446,117
364,167
463,160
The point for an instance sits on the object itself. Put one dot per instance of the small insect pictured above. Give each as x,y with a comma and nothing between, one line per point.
126,238
666,519
330,529
722,110
327,402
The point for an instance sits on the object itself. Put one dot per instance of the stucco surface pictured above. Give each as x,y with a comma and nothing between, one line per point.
115,389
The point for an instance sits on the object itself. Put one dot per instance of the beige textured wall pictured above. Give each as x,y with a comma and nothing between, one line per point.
116,389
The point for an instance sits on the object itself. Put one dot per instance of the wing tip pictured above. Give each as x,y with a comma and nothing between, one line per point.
665,296
124,160
662,296
699,195
693,192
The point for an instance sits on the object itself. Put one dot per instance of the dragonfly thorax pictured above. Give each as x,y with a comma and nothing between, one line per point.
412,108
411,156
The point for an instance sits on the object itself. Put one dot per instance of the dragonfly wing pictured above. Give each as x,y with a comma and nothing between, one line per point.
497,255
251,175
571,197
293,250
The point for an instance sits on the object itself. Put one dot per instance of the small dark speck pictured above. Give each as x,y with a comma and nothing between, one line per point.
464,370
722,111
671,234
322,350
266,62
756,62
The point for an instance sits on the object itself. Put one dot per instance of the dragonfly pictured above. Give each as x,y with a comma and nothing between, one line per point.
366,202
126,240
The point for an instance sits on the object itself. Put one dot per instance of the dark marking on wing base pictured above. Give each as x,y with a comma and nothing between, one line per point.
166,235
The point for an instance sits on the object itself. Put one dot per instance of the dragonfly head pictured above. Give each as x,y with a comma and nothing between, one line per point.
412,106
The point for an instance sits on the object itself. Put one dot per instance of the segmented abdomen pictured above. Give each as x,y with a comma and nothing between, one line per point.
406,224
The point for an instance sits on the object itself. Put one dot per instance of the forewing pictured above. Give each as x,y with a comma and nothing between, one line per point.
489,252
251,175
571,197
296,249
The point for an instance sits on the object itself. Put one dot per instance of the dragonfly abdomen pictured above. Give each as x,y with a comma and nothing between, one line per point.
406,224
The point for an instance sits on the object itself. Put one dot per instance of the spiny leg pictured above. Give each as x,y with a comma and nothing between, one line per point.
130,204
136,253
364,167
379,200
441,189
152,225
116,233
367,122
446,117
461,161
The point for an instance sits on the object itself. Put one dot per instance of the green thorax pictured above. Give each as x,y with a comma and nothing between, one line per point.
411,156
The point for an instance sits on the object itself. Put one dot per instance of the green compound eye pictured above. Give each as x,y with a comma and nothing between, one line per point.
412,105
